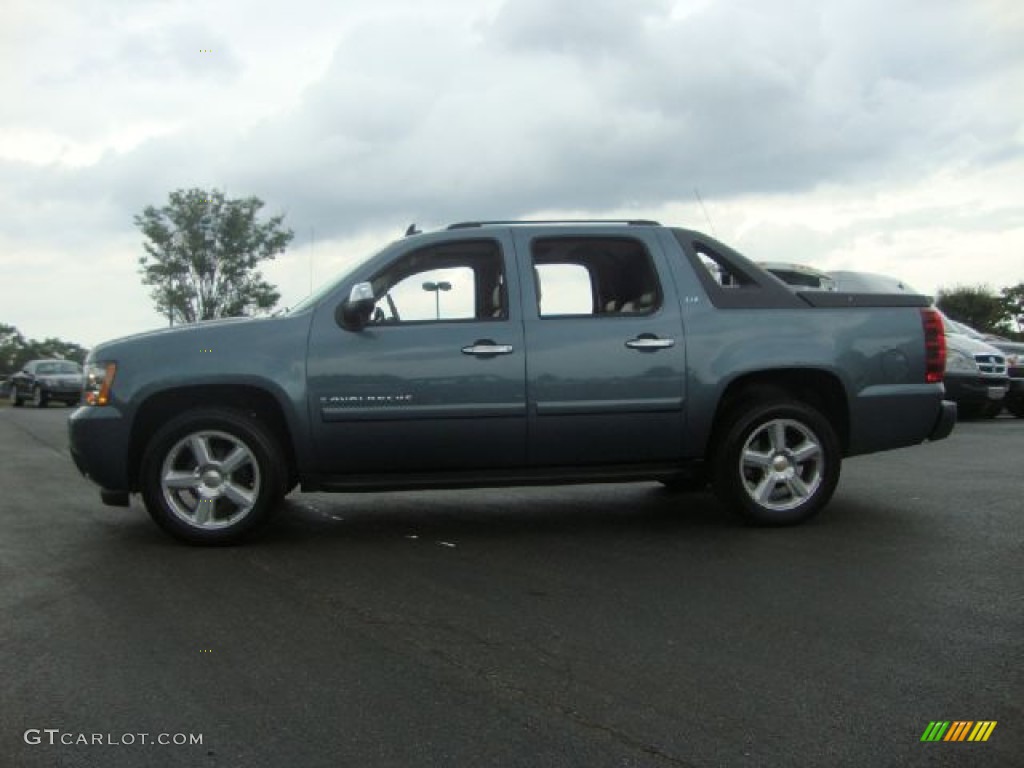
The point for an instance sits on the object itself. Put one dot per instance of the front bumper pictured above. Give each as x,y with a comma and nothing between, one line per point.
99,439
975,389
63,393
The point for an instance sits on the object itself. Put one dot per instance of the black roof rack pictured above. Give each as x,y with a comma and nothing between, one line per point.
630,222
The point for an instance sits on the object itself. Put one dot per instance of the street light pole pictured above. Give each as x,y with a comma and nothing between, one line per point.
436,289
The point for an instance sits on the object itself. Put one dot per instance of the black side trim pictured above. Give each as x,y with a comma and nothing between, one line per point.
411,412
499,478
578,407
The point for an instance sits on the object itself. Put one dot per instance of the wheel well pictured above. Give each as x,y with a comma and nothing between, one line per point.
819,389
159,408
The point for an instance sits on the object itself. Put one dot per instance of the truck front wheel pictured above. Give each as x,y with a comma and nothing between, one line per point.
777,463
211,475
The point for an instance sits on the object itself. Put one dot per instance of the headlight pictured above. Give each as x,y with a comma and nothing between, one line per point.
98,379
960,363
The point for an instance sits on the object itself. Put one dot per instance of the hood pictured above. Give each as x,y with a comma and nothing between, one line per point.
1008,347
176,330
970,346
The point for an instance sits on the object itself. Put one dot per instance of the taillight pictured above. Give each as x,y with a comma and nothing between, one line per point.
934,346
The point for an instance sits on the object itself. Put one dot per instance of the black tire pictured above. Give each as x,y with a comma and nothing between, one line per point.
1015,405
991,410
39,398
967,411
16,400
239,489
792,467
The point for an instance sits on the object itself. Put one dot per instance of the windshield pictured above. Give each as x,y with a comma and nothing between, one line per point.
329,286
868,282
57,367
958,329
801,278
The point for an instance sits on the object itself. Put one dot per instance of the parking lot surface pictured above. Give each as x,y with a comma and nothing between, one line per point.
573,626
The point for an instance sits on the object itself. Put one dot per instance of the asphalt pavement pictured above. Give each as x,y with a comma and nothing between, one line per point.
572,626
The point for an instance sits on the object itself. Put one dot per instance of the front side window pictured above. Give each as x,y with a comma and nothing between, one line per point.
462,280
610,276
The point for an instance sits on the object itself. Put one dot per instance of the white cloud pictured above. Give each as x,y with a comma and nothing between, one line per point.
882,134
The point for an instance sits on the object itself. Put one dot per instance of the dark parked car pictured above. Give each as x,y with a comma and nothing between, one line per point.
41,381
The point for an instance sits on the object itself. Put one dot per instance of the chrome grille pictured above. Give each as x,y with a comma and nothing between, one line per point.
991,365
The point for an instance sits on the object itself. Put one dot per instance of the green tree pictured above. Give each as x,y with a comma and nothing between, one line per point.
12,349
976,306
1013,305
16,350
58,348
202,254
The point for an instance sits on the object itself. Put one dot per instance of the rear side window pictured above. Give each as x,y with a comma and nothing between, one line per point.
730,280
719,269
608,276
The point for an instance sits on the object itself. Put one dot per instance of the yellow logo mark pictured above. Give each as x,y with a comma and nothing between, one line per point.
206,650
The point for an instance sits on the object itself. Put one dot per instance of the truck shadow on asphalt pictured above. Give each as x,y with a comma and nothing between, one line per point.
496,514
615,513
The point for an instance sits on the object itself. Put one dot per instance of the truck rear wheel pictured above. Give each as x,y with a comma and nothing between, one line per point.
212,475
777,463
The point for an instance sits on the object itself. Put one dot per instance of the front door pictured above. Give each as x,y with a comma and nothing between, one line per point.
606,363
436,381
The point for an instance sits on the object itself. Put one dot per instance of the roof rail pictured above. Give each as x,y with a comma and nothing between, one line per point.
630,222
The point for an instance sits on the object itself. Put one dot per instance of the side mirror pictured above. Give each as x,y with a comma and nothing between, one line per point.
354,313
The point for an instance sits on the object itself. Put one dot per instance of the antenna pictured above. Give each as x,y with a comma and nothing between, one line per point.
701,201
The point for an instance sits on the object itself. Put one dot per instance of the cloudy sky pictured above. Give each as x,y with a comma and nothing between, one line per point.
879,135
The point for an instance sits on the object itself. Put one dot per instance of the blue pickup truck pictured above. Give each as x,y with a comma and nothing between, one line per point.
516,353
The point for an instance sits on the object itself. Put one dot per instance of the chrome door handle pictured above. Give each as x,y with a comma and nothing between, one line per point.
650,343
487,349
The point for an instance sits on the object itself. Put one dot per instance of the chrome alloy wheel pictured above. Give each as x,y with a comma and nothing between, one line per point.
782,464
210,479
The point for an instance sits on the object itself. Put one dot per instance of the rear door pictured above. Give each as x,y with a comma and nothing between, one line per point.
606,360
